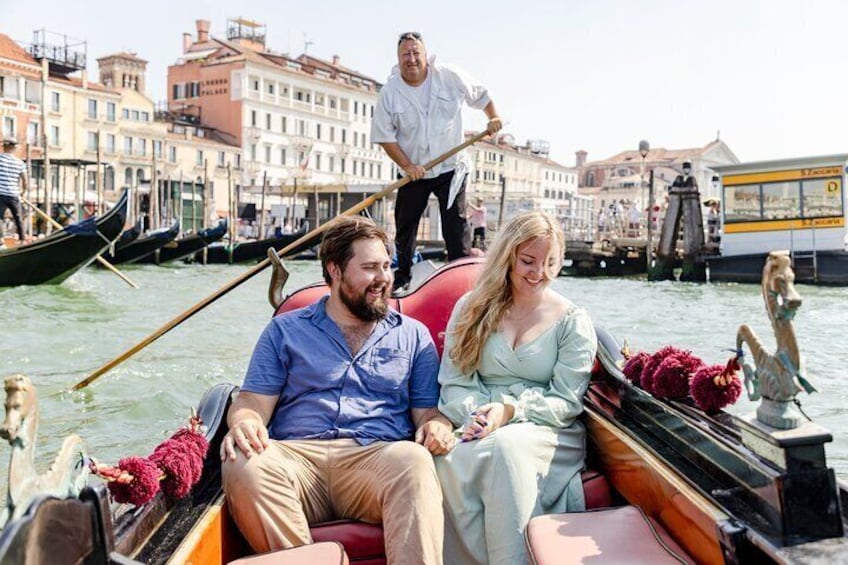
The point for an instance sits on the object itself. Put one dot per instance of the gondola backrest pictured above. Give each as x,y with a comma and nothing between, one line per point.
431,303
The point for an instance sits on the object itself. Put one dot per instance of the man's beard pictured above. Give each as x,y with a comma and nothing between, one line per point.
359,305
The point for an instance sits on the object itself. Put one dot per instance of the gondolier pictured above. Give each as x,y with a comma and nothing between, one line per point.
417,117
13,181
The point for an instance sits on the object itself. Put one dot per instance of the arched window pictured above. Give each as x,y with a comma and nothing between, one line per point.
128,177
139,176
109,178
590,179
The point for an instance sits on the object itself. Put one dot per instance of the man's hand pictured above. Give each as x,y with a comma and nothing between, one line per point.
494,126
436,436
414,172
249,435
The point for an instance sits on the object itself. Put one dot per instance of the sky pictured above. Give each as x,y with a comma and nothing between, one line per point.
598,75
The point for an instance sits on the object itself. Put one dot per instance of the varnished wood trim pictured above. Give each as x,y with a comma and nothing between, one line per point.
644,480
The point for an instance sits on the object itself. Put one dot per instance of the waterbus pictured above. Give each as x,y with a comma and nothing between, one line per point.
793,204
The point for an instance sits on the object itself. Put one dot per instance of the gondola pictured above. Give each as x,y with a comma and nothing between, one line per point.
145,244
252,250
186,246
693,487
56,257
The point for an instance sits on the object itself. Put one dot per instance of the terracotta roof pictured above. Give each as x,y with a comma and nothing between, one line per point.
330,67
9,49
77,82
654,155
123,55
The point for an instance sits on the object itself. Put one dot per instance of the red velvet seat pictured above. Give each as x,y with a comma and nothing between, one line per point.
326,553
610,535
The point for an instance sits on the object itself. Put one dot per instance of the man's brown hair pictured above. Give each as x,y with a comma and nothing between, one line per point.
337,244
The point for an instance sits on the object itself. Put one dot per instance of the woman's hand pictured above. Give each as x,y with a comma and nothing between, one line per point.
486,420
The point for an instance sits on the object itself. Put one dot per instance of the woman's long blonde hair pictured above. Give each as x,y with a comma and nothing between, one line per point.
492,296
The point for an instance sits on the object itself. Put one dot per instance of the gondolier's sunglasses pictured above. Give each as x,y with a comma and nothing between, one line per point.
414,35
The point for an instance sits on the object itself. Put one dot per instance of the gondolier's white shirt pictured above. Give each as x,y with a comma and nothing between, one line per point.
425,133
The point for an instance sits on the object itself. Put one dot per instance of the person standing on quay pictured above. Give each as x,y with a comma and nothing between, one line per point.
417,118
477,221
13,181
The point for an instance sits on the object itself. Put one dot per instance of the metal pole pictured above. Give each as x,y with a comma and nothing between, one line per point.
98,180
649,247
204,195
261,234
154,195
503,202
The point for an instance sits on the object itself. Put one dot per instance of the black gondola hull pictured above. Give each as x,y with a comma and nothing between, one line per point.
143,246
58,256
186,246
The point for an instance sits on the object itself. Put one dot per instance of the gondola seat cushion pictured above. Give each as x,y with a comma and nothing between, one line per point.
364,542
610,535
324,553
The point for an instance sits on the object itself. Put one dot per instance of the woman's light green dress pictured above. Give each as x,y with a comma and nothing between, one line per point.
492,487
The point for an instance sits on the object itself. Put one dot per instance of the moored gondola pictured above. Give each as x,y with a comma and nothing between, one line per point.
143,245
713,487
61,254
186,246
253,250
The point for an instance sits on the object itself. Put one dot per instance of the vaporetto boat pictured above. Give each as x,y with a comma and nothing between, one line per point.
792,204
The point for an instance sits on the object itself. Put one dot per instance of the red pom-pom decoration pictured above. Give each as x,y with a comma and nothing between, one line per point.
143,485
671,378
193,439
177,463
634,366
180,465
715,387
647,379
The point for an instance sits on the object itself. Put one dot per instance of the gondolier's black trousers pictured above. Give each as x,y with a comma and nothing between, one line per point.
13,203
411,203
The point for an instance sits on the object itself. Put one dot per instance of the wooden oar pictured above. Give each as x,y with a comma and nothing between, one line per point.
100,259
247,275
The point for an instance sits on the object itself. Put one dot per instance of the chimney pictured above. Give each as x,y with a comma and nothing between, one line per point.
202,30
186,42
84,77
581,157
335,60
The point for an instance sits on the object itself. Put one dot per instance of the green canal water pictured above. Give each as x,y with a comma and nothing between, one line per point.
57,335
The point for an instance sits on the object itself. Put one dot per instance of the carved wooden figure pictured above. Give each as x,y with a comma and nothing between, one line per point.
778,377
65,477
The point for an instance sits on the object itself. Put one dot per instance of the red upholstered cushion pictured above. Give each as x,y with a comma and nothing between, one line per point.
596,490
326,553
612,535
362,542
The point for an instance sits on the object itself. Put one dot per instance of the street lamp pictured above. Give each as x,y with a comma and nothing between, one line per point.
644,147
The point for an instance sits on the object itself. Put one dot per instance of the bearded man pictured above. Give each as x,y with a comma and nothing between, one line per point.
337,415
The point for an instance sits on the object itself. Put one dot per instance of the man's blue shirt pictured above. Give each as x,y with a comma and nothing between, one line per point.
325,392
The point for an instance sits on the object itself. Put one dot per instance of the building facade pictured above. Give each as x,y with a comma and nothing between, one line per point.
524,177
101,137
618,187
300,122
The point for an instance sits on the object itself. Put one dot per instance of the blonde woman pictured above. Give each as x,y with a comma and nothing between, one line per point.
516,364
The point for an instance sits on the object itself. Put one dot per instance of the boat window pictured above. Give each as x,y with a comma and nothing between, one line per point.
742,203
781,200
822,197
